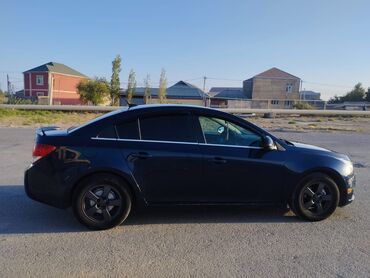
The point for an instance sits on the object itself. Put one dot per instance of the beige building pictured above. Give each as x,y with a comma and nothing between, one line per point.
273,88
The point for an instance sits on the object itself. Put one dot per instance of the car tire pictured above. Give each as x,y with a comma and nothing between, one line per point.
102,201
315,198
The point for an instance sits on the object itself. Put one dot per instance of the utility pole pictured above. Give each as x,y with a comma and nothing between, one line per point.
8,83
204,91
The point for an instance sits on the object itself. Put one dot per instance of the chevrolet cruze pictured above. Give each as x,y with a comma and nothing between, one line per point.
174,155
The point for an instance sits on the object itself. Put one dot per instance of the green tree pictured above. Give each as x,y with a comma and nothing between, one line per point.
335,99
131,86
95,91
367,97
162,87
115,82
357,94
147,90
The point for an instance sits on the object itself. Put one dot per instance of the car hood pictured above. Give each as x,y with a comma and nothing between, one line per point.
309,147
315,149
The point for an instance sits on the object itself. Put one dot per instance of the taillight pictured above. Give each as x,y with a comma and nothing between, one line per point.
42,150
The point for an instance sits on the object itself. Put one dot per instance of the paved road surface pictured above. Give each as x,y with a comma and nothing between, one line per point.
37,240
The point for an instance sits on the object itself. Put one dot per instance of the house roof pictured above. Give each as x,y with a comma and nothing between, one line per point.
57,68
139,92
220,89
275,73
310,93
184,90
231,94
215,90
181,90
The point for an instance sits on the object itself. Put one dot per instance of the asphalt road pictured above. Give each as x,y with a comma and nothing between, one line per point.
37,240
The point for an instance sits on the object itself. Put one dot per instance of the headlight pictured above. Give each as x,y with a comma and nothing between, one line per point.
348,168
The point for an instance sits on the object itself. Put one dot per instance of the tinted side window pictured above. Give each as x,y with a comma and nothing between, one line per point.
221,132
167,128
108,132
128,130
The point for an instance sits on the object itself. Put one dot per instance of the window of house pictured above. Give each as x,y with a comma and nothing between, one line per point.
39,80
128,130
274,102
289,87
172,127
221,132
288,103
40,94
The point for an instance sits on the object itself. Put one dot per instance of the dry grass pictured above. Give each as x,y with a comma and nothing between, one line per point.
304,123
35,118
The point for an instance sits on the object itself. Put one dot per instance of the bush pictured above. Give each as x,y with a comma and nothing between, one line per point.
18,100
2,97
303,106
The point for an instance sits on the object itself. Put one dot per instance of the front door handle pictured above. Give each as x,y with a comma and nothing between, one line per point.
140,155
219,160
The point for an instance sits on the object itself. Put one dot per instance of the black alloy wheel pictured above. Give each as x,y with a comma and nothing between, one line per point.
316,197
102,202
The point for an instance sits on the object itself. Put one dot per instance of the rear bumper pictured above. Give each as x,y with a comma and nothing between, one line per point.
39,187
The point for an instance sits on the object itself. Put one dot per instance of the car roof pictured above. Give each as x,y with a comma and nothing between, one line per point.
169,106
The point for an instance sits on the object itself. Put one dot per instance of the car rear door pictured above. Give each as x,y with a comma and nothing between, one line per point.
165,160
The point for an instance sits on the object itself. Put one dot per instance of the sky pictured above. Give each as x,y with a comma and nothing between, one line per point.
324,42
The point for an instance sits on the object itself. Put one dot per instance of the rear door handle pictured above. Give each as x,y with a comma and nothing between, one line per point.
140,155
219,160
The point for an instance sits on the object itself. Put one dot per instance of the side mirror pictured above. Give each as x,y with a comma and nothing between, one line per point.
269,144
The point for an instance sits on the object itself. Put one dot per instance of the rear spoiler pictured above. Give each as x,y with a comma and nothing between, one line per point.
42,130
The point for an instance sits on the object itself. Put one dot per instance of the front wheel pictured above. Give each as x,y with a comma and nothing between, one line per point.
315,198
102,201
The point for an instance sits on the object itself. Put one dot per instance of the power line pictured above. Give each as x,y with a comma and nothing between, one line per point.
226,79
329,85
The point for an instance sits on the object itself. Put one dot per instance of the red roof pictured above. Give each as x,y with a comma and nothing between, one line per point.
276,73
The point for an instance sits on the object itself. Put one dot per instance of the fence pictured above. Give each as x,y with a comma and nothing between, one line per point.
266,103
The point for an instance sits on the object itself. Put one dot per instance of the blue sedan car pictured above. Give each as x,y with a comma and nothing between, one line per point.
173,155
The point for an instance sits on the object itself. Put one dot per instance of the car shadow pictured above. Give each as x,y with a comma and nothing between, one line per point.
21,215
210,214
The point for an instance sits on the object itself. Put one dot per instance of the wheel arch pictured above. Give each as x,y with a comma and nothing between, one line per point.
334,175
135,191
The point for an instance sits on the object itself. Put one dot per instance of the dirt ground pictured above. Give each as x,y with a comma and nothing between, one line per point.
305,123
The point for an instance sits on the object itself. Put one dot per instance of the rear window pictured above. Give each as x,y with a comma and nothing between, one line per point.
128,130
108,132
175,128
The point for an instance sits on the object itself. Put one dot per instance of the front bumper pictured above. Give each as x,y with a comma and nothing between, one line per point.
348,195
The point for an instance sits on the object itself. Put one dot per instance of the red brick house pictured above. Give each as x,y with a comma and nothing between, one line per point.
53,83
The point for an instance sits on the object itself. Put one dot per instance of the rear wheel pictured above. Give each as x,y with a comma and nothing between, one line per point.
315,198
102,201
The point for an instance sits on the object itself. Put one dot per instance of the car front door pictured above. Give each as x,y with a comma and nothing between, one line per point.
237,169
165,160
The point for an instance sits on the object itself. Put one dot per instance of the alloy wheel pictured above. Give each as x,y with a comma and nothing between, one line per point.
316,198
101,204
